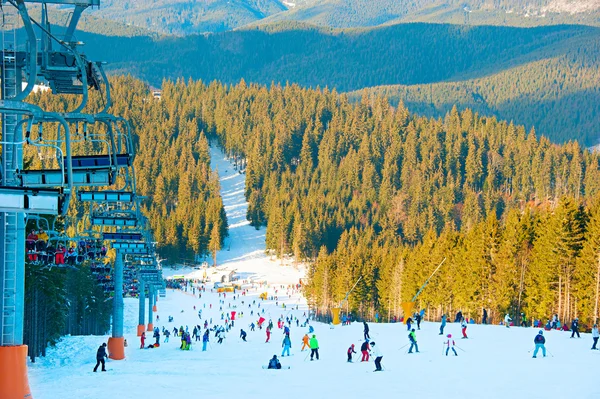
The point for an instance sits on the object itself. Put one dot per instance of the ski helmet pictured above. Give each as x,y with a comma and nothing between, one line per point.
372,343
413,330
449,335
541,332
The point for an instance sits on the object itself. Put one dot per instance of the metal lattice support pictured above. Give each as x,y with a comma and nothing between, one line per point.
12,226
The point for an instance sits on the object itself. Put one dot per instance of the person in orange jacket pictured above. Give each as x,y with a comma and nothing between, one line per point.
304,342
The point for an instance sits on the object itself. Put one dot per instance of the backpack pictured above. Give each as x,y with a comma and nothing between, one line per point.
363,347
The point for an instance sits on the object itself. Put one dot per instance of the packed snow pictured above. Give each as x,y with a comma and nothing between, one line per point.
494,362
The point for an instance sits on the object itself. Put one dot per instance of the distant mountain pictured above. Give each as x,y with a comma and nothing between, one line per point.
189,16
182,17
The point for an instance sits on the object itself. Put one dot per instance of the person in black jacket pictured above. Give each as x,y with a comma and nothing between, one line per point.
243,335
274,363
459,316
485,316
575,328
539,342
366,331
100,355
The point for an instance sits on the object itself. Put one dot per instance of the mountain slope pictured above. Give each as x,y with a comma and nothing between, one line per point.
559,97
185,17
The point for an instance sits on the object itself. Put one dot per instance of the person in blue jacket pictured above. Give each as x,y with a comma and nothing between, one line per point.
286,344
539,342
443,324
205,340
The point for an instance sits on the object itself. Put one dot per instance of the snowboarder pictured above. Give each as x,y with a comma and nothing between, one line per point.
463,324
485,316
507,321
350,352
413,341
305,342
100,355
595,336
539,342
274,363
243,335
364,349
204,341
575,328
268,334
143,340
366,331
286,344
378,356
443,324
314,347
448,343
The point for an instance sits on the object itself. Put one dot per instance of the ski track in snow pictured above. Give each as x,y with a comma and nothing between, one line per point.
495,363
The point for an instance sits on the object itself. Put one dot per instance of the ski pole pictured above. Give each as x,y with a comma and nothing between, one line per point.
402,347
460,348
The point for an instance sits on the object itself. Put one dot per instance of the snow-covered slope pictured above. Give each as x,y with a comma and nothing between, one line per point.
493,363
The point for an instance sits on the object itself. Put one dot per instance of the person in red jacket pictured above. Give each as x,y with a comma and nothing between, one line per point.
365,348
143,340
350,352
268,334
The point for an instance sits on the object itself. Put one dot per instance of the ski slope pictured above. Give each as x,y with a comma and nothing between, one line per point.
493,363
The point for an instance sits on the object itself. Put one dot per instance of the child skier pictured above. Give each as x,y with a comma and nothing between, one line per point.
413,341
350,352
463,324
448,343
268,334
305,342
539,342
143,340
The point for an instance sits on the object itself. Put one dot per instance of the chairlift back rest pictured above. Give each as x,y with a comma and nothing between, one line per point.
99,161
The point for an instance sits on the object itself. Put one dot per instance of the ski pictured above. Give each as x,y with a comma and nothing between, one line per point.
282,368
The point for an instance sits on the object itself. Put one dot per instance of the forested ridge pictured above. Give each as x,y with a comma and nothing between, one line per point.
365,190
559,97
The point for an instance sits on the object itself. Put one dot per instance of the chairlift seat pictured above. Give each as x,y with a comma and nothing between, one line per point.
122,236
99,161
48,178
114,221
32,200
106,196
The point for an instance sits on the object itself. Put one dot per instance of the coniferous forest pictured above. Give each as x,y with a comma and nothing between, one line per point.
366,190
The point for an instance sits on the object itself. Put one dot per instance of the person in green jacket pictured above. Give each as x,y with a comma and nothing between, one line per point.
413,341
314,347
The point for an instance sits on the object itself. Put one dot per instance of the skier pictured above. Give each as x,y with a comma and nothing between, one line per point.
204,341
364,349
286,344
459,316
157,336
507,320
366,331
305,342
378,356
143,340
523,320
463,324
243,335
252,327
408,323
101,354
485,316
268,334
447,343
314,347
418,318
221,336
350,352
413,341
575,328
595,336
443,324
274,363
167,333
539,342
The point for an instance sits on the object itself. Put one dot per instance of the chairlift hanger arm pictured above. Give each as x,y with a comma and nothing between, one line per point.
427,281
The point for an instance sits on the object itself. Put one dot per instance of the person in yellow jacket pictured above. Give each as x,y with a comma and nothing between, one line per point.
305,342
314,347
